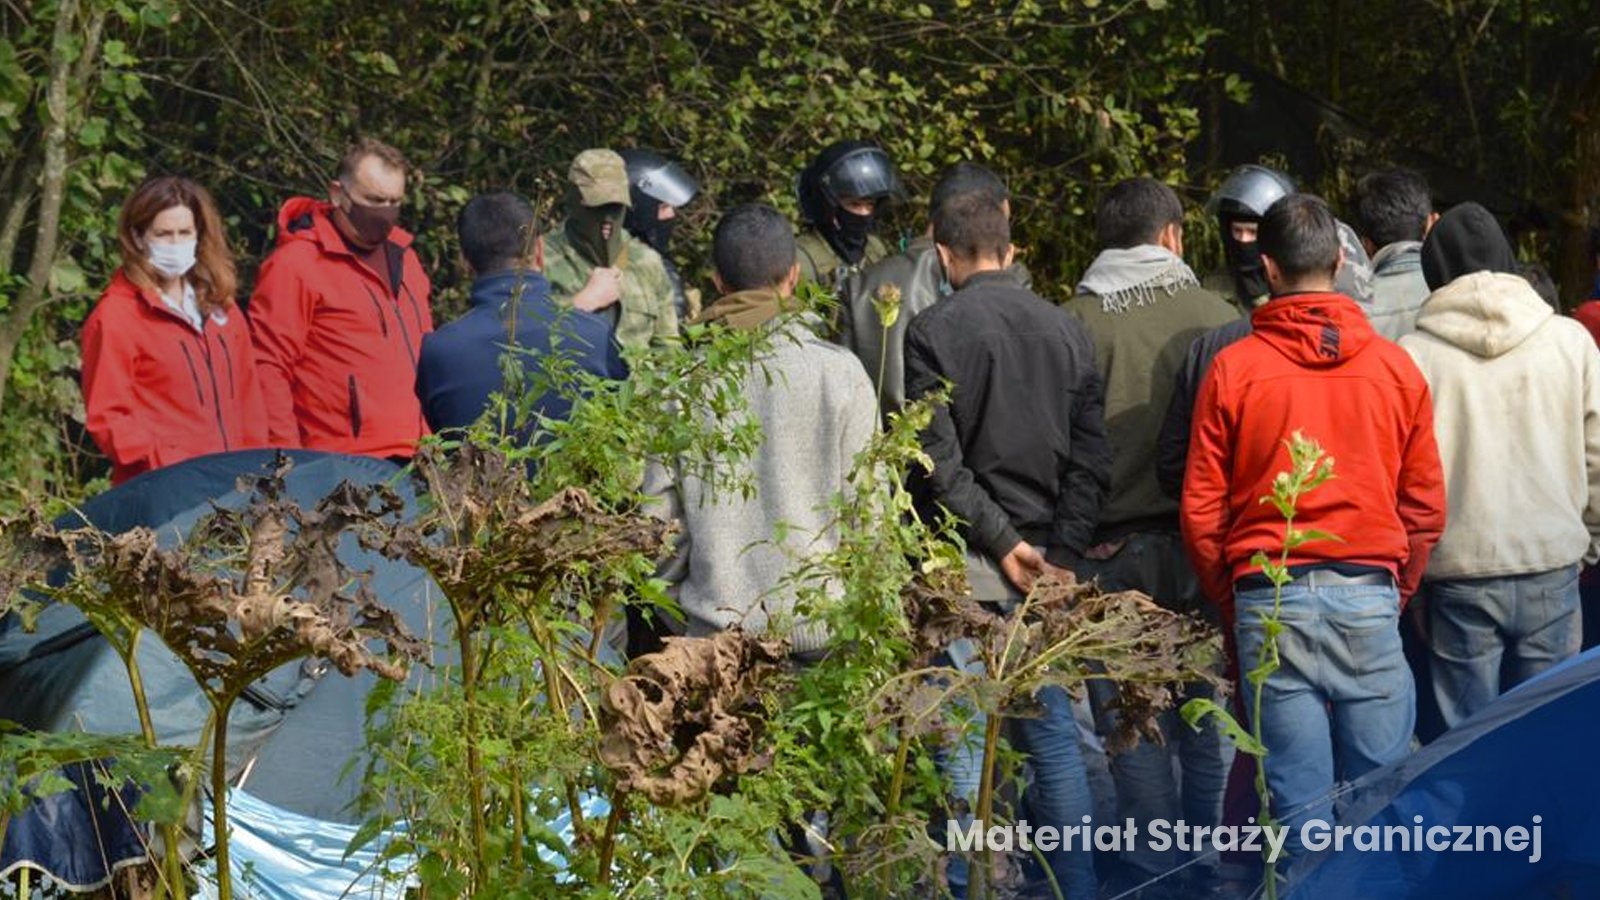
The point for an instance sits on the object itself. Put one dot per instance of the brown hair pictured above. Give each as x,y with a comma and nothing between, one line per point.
213,274
364,148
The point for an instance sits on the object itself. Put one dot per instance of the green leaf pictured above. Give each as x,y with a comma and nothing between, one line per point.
66,277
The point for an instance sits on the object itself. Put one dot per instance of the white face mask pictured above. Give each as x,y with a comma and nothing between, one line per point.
173,260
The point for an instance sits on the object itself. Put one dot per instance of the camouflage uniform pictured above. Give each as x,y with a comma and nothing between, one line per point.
645,314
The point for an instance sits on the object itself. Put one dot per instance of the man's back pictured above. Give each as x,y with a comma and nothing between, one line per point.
1023,427
460,365
1140,347
1398,289
1313,364
816,410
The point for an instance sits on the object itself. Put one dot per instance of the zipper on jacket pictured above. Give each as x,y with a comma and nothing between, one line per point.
211,371
405,333
416,314
383,320
194,374
233,391
355,409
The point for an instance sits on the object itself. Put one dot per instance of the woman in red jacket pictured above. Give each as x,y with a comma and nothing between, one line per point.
168,370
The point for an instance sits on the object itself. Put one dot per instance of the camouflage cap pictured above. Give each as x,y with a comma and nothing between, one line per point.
601,177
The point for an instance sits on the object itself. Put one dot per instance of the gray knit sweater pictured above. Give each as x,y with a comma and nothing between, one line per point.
817,410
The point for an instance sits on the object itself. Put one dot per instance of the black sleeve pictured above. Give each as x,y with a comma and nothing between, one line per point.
1172,446
952,484
1086,477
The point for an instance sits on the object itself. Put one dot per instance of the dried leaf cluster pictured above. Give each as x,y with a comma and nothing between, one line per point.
680,720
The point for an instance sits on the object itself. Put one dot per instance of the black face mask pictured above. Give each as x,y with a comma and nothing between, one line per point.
1244,261
586,228
371,224
851,233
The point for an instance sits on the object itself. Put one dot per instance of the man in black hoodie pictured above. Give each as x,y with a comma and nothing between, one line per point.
1019,456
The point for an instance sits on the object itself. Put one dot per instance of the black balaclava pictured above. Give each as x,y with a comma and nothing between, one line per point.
1466,239
1244,261
643,222
850,237
584,229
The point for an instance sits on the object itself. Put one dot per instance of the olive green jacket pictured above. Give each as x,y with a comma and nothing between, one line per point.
645,315
819,263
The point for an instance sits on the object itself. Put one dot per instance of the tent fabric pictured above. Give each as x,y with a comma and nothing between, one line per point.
1530,753
292,733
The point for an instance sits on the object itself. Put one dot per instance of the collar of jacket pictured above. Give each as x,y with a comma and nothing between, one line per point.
491,291
749,309
989,276
153,300
1400,256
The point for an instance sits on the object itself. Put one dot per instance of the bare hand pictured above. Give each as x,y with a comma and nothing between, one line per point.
1023,566
603,289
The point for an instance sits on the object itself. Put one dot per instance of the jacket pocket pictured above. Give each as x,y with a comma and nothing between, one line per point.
355,408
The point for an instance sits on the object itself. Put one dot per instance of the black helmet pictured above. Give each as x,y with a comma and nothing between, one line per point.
654,181
1248,191
845,170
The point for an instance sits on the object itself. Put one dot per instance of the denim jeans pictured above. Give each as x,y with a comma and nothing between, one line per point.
1058,786
1147,787
1487,635
1341,704
1057,791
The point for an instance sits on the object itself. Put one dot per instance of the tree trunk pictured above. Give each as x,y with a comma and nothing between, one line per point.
53,173
1576,270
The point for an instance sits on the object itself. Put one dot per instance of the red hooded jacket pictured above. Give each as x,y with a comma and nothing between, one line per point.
1313,364
335,347
158,392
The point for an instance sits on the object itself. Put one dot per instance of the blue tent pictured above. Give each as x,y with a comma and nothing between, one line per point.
292,733
1529,754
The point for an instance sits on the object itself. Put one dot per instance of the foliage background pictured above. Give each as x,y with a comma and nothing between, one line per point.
257,98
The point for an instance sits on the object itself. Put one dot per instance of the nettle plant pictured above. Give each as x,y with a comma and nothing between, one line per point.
1309,468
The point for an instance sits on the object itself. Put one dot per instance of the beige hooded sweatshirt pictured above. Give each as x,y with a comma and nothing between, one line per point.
1516,398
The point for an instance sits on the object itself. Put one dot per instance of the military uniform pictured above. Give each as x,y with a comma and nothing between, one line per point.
819,263
645,315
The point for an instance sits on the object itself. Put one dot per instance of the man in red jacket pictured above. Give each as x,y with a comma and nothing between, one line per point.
338,315
1343,701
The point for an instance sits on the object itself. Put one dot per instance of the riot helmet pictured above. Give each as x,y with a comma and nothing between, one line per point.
653,182
845,171
1244,196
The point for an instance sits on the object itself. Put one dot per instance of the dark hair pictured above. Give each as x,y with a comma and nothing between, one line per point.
497,231
967,177
972,225
1392,205
1133,212
1543,285
213,274
753,247
364,148
1301,235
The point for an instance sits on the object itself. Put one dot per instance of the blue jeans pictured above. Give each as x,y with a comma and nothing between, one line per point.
1487,635
1342,702
1058,787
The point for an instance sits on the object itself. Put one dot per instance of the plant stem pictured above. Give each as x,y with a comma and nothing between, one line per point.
169,881
898,783
475,796
981,883
219,797
608,842
883,359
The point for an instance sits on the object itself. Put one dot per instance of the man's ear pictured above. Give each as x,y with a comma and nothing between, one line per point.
1274,275
1371,248
335,191
787,286
1427,226
717,282
1009,257
1171,237
1339,263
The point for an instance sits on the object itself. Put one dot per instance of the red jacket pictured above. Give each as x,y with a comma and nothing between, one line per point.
158,392
1313,364
336,349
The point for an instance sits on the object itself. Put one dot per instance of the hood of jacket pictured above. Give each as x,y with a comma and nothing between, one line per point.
1313,329
749,309
310,219
491,291
1466,239
1487,313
